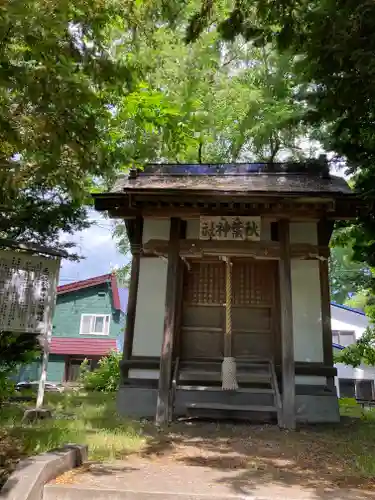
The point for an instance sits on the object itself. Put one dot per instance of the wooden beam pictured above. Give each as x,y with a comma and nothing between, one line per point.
196,247
308,251
256,249
304,211
170,318
324,233
287,346
325,230
301,367
32,248
133,293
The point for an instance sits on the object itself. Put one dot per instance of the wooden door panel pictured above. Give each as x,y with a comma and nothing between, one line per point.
201,343
252,319
203,316
252,344
253,312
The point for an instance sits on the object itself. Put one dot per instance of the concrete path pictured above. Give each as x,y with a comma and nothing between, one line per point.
139,479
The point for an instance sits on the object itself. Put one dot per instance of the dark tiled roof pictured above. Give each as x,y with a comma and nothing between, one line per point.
288,183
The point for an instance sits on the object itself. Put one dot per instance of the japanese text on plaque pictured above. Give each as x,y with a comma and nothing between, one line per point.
27,292
230,228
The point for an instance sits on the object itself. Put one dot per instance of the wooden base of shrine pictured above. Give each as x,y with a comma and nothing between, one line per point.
313,404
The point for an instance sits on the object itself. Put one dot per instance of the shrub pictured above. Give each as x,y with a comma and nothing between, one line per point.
16,350
106,377
348,402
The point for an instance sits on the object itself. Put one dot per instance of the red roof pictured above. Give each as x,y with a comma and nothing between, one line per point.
82,347
97,280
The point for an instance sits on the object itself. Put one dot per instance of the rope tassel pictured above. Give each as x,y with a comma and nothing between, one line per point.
228,367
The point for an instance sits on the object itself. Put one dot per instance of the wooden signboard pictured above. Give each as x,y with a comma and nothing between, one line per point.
27,292
230,228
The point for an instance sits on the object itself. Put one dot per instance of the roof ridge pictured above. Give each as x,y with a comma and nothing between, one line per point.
348,308
94,281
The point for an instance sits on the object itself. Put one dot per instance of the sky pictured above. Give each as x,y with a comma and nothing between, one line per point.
97,247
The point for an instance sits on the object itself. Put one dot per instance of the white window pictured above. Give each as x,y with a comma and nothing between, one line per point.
94,324
343,338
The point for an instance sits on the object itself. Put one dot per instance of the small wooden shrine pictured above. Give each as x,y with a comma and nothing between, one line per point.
229,304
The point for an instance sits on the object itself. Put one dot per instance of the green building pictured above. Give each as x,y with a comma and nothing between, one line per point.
88,323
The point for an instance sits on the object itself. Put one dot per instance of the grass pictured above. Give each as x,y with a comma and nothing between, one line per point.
333,453
78,418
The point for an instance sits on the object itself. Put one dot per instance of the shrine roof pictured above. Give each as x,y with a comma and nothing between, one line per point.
308,178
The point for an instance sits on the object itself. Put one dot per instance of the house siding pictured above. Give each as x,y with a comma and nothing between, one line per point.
70,307
56,368
29,372
66,324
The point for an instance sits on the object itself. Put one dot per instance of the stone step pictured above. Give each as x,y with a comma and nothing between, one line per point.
72,492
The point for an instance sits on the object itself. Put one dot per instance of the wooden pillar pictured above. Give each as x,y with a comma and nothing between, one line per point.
287,345
326,313
135,244
324,234
170,318
180,291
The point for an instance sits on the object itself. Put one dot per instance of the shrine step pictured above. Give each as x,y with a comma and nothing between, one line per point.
229,407
216,365
216,376
249,390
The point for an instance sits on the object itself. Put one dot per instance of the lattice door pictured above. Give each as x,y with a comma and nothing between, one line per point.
203,310
205,284
253,312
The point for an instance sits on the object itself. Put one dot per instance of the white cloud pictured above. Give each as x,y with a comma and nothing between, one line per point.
97,247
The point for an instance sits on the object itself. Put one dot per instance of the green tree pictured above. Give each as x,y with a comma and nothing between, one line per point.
333,48
361,352
348,278
71,110
236,101
123,245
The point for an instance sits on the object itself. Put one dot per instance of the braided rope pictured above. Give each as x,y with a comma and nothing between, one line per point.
228,369
228,308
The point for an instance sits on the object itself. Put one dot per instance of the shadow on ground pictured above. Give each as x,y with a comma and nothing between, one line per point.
322,459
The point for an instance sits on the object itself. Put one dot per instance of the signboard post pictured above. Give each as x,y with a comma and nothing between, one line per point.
46,348
28,286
